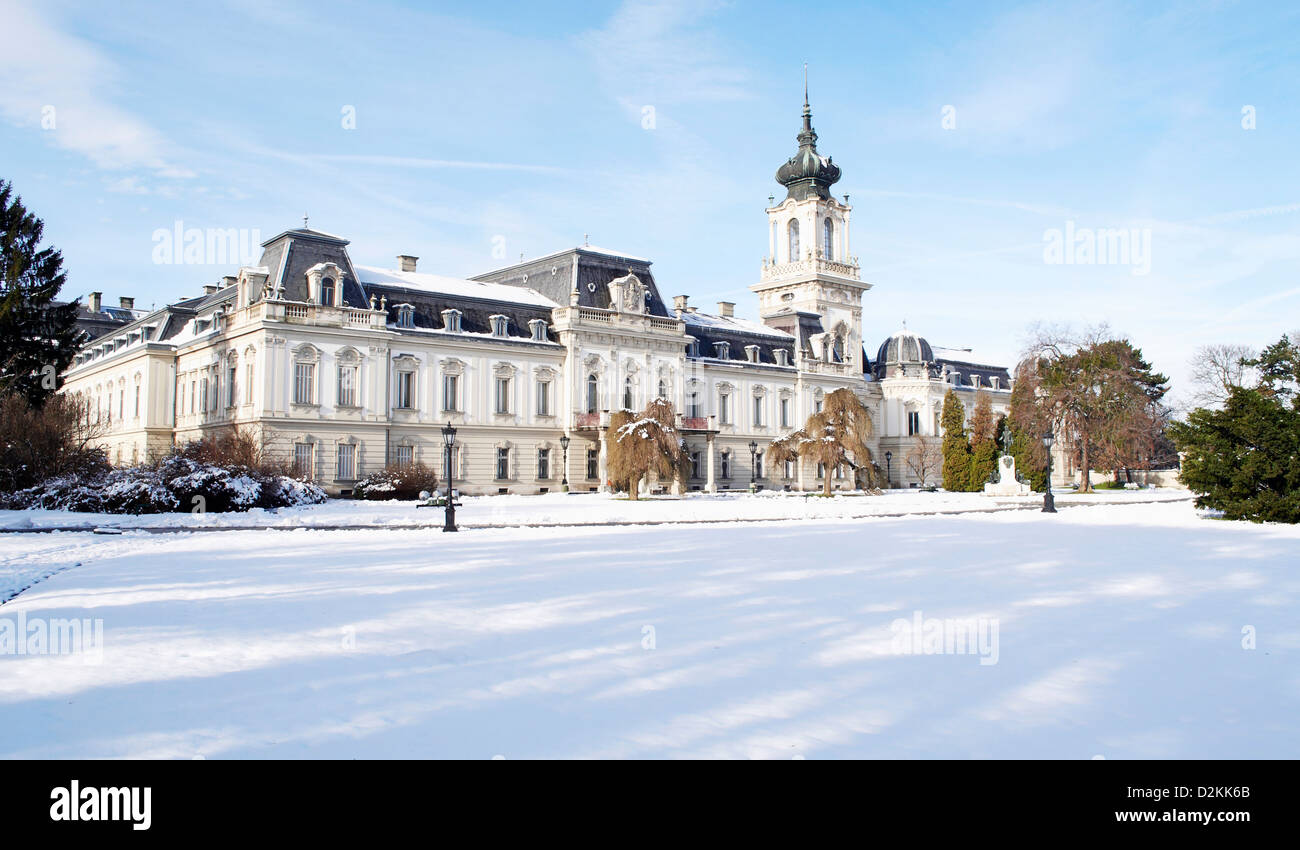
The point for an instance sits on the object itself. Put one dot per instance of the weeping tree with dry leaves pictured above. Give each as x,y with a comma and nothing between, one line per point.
639,444
837,434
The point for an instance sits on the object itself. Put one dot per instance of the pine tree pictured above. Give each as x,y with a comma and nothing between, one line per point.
38,338
983,449
956,449
1027,423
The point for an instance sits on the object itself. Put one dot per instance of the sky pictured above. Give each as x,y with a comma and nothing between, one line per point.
976,141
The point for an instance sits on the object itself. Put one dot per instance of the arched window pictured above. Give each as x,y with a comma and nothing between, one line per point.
794,240
327,291
593,393
663,388
627,393
828,239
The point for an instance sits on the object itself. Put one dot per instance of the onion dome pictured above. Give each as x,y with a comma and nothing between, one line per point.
808,174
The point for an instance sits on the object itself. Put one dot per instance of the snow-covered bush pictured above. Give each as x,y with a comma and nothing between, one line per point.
396,482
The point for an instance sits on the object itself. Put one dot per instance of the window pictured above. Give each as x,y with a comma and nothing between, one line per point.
406,389
503,395
121,404
758,411
828,238
539,329
248,383
451,321
194,397
403,455
693,405
137,401
628,402
593,393
304,382
821,471
913,423
499,325
503,464
543,464
726,464
663,389
302,459
785,413
232,393
327,291
203,385
405,316
450,393
817,405
695,464
789,469
724,408
758,465
793,231
347,462
839,472
593,464
348,386
543,398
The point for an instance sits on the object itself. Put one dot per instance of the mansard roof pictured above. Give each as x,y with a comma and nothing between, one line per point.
586,270
289,256
709,330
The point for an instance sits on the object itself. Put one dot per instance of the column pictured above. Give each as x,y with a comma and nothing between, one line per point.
603,465
710,485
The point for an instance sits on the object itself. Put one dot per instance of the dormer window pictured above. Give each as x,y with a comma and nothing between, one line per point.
405,316
693,348
499,324
722,350
974,380
327,291
997,382
538,327
451,321
751,353
782,356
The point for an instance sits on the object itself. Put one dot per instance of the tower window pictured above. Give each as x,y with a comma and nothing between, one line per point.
828,239
793,240
327,291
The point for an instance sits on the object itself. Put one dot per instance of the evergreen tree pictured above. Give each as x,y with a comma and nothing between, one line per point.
956,449
38,338
983,449
1027,423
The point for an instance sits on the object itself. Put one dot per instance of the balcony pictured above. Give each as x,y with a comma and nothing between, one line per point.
813,265
303,313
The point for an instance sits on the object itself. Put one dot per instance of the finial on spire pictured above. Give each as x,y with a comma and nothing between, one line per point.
304,221
585,243
805,85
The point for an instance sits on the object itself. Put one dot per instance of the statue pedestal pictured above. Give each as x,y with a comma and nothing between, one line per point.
1007,484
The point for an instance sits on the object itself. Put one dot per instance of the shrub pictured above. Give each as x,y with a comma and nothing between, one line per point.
396,482
52,441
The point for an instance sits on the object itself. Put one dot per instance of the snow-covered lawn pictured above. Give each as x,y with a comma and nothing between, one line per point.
1119,633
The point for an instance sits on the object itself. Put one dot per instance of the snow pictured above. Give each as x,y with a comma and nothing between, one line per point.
708,320
421,282
1119,634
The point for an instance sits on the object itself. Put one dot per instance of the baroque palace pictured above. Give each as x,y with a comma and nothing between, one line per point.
344,369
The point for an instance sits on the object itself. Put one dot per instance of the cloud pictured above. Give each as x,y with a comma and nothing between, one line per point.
49,77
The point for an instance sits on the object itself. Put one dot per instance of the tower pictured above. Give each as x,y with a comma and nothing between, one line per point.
809,284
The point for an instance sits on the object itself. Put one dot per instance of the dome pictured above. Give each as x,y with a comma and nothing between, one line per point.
904,347
808,173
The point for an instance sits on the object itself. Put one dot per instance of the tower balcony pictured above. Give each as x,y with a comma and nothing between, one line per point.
813,265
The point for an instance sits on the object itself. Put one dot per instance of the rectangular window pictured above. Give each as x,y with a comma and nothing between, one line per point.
121,404
503,395
695,464
785,413
593,464
348,386
248,384
347,468
137,402
821,471
406,389
193,397
543,464
817,406
789,469
543,398
232,395
503,464
302,459
913,423
693,405
304,383
724,409
450,393
402,455
204,387
758,412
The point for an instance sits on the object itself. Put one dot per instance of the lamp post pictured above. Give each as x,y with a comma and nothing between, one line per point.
753,465
889,465
1049,503
449,440
564,468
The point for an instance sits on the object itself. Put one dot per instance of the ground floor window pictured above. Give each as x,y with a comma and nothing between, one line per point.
593,464
302,459
789,469
347,462
543,464
503,464
403,455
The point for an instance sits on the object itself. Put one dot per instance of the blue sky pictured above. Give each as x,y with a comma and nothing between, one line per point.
521,125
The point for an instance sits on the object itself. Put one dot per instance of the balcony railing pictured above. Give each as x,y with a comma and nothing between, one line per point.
813,264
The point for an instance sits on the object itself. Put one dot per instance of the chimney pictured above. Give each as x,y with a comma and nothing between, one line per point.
406,263
228,280
96,301
127,302
209,288
679,303
727,309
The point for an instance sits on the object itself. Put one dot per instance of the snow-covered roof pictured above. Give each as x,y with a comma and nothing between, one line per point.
962,355
370,275
709,320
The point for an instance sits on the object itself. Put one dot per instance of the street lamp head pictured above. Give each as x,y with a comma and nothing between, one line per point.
1048,439
889,456
753,447
564,442
449,435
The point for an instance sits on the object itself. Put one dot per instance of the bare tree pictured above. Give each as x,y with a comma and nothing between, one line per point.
1216,369
924,459
835,435
639,444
